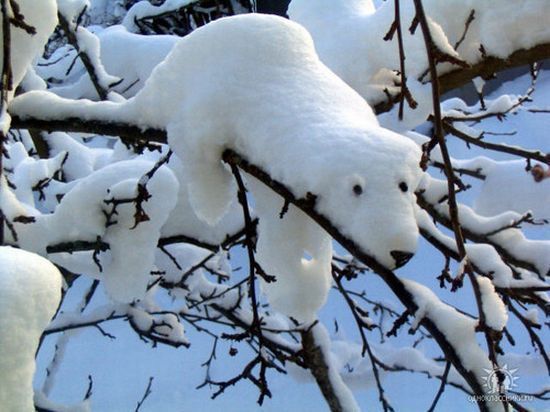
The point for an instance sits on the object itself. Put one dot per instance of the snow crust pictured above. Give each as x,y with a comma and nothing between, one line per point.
30,291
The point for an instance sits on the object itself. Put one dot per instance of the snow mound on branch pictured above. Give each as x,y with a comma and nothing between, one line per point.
30,291
81,215
288,114
42,15
128,56
493,307
184,220
349,35
144,8
459,331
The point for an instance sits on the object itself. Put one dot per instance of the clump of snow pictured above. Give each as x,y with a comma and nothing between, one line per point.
183,219
493,307
88,43
128,56
29,173
532,315
498,227
125,278
373,172
72,8
42,401
30,291
349,39
297,252
412,117
42,15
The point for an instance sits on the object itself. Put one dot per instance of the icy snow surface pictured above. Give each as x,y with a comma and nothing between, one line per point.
30,291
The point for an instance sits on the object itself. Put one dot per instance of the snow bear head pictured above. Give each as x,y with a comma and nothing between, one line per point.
367,192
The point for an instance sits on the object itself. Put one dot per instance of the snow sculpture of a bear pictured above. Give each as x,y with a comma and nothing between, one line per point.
254,83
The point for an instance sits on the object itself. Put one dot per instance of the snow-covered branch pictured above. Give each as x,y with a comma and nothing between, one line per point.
238,183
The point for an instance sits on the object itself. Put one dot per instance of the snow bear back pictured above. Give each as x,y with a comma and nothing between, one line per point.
249,64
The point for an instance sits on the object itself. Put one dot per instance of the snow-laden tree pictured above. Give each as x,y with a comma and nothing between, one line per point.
295,193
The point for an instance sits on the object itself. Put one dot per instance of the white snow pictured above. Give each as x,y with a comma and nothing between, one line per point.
496,315
30,291
290,115
127,56
339,29
342,392
297,252
42,15
80,215
458,329
523,194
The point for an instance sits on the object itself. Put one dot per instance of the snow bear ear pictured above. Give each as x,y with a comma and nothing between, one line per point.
211,191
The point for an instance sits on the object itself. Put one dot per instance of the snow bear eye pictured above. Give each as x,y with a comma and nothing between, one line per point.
357,190
403,186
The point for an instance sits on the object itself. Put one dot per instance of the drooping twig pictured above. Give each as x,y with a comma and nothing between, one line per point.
145,394
405,94
535,339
